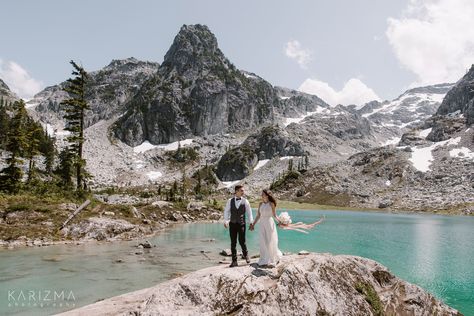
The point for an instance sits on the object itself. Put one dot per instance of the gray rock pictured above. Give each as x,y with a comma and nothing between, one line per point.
460,98
314,284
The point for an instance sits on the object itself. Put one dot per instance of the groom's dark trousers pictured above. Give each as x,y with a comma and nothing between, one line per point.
237,230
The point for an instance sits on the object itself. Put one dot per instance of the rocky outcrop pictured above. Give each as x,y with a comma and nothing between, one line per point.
108,90
269,142
312,284
272,141
460,99
444,127
101,229
196,92
411,138
294,103
236,163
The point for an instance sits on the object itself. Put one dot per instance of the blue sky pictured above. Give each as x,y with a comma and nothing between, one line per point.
347,51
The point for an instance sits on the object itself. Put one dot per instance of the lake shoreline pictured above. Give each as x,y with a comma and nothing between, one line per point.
41,241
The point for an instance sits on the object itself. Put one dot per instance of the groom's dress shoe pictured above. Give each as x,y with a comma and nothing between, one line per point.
233,264
247,259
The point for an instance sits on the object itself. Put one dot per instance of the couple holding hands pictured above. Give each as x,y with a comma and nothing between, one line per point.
238,211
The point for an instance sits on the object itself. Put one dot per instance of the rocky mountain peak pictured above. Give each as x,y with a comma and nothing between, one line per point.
194,45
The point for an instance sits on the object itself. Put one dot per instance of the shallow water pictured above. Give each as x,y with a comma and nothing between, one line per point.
433,251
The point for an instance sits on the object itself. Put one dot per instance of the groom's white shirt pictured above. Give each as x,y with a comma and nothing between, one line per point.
248,210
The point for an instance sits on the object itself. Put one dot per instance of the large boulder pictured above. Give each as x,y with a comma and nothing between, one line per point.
313,284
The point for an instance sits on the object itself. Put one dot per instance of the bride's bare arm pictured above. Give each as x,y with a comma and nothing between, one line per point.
257,217
274,213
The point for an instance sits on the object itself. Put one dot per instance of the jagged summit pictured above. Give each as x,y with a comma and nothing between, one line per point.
194,49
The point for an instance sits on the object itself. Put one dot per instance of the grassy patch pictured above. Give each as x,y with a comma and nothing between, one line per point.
371,297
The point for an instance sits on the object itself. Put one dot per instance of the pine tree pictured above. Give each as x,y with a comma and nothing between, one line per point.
198,187
48,149
290,165
183,183
75,108
10,177
306,162
34,134
65,168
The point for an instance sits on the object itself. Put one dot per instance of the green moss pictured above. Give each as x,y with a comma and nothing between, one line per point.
371,297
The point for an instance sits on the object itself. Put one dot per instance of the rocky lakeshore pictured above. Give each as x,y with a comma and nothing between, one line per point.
309,284
116,217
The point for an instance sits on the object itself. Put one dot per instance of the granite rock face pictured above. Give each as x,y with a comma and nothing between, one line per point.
313,284
196,92
460,98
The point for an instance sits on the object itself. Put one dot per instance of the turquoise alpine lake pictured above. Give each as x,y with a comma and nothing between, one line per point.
433,251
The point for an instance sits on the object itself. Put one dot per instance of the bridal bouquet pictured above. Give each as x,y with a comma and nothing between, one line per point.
285,218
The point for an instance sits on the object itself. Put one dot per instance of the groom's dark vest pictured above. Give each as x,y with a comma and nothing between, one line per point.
237,215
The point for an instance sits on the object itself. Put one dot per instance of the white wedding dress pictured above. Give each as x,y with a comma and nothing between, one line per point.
269,252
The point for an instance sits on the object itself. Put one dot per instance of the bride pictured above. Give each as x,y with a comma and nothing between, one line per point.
269,252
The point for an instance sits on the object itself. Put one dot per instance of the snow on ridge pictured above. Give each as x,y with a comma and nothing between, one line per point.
287,157
261,163
425,132
230,184
153,175
421,158
290,120
391,141
146,145
463,153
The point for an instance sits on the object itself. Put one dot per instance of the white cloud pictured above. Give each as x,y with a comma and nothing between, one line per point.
353,92
294,50
434,39
19,80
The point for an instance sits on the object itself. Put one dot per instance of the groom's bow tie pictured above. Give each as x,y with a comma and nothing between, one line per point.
238,199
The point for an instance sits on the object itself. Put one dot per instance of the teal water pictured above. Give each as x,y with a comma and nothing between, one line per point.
433,251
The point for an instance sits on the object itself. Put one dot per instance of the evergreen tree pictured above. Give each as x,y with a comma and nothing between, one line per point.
65,168
290,165
10,177
34,134
306,162
198,187
75,108
48,149
183,183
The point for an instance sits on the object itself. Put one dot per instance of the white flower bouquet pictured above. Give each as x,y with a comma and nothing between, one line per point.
285,218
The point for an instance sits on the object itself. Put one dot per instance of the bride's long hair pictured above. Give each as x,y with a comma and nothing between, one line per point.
270,196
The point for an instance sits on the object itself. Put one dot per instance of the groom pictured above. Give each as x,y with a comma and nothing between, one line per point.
236,211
